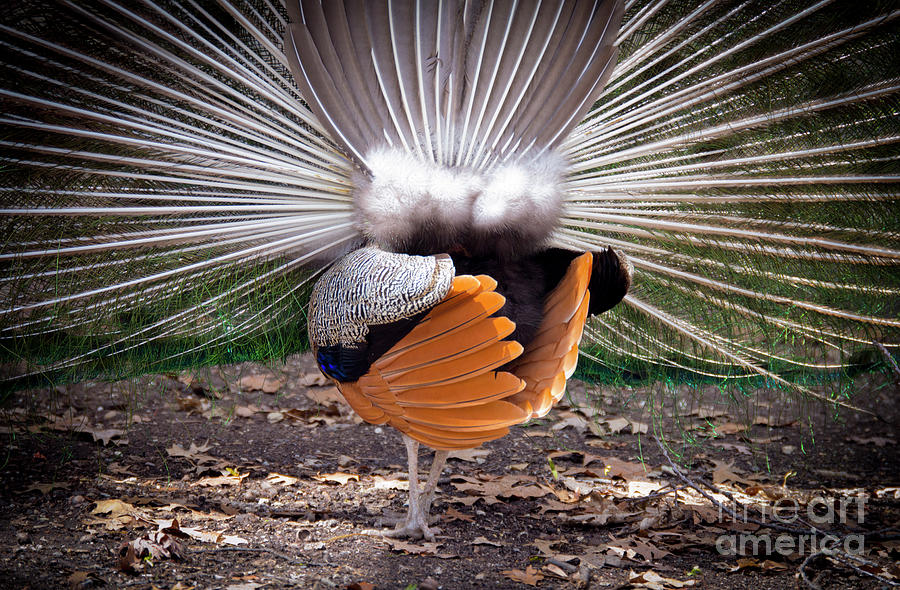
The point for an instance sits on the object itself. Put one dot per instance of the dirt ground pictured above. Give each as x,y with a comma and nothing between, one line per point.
256,477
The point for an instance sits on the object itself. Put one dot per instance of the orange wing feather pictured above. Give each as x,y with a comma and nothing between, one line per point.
439,384
551,357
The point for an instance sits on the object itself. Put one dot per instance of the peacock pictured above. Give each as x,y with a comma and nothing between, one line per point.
451,202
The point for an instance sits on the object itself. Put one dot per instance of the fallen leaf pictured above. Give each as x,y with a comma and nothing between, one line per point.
361,586
485,541
264,383
555,570
475,455
222,480
725,472
390,483
453,514
616,425
730,428
766,565
654,581
623,469
246,411
106,435
878,441
325,396
336,477
281,479
426,549
195,453
313,379
114,508
530,576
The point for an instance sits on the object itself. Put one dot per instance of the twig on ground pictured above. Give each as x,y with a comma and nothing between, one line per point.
725,508
848,559
838,555
806,562
655,495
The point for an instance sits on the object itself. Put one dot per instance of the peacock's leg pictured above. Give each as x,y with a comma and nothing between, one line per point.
437,467
415,524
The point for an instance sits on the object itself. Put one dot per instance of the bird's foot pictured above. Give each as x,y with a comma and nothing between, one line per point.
414,526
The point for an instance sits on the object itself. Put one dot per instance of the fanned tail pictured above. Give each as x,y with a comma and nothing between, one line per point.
163,189
166,187
743,157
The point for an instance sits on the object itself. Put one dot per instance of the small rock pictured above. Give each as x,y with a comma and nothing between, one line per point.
76,500
23,538
428,584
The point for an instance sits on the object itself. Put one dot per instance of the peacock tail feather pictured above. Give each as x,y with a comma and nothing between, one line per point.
168,198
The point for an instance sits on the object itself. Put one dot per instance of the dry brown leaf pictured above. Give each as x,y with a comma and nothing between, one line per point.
772,422
162,544
427,549
555,570
707,412
310,379
453,514
616,425
472,455
281,479
325,396
246,411
533,432
114,508
106,435
752,562
222,480
486,541
725,472
878,441
530,576
361,586
338,477
493,487
623,469
194,453
730,428
654,581
264,383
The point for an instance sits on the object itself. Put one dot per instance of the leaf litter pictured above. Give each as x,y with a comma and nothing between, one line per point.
608,513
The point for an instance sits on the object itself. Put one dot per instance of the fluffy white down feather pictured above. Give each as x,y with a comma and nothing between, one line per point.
405,196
